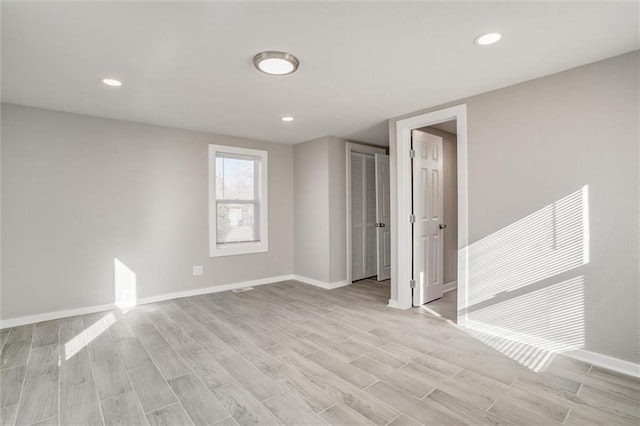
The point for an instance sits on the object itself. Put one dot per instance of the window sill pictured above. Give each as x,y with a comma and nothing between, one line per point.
237,249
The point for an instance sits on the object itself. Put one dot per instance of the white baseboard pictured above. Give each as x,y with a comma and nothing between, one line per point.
48,316
321,284
214,289
449,286
606,362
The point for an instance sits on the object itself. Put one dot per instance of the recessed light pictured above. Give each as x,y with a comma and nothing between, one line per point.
276,63
287,118
112,82
487,39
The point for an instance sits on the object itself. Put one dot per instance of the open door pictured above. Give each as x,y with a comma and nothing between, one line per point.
383,217
428,246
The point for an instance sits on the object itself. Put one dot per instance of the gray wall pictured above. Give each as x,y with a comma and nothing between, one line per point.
320,207
450,201
337,208
531,144
311,209
79,191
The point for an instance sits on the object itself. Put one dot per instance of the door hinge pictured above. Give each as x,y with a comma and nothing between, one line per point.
412,153
412,283
412,218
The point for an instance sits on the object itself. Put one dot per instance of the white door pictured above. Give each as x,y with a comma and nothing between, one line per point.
363,216
383,217
370,216
428,247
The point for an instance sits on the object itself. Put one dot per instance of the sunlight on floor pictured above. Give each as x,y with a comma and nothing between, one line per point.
431,311
76,344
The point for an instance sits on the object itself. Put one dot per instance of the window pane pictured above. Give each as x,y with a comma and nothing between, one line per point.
235,177
236,223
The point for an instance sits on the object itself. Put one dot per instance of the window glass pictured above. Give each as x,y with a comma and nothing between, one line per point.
235,177
236,223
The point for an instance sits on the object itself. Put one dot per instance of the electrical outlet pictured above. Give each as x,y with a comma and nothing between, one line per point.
198,270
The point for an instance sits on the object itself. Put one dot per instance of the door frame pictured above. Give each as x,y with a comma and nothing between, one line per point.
403,226
362,149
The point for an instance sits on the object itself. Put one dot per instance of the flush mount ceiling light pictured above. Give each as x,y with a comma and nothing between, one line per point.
111,82
487,39
287,118
276,63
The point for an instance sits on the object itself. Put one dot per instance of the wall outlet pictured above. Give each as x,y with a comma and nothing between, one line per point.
198,270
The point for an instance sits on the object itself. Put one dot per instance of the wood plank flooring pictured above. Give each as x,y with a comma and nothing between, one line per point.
292,354
446,306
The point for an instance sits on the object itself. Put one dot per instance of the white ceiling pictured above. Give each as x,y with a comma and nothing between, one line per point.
189,64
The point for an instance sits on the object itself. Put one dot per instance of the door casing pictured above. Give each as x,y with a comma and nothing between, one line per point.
401,229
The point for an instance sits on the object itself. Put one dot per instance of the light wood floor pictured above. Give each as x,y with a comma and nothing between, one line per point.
446,306
288,353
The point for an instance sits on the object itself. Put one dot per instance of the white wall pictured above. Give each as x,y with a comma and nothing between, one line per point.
534,143
79,191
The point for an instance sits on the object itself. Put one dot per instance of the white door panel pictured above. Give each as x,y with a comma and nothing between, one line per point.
370,216
357,215
363,216
428,247
383,217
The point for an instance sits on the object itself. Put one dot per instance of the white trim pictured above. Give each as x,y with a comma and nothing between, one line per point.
449,286
606,362
261,246
47,316
321,284
402,226
214,289
363,149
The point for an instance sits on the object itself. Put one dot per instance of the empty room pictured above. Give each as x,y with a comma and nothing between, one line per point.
319,213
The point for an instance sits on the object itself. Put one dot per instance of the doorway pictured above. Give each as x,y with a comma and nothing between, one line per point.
368,213
435,230
402,230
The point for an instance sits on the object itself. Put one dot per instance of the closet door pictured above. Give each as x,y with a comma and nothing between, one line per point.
363,216
357,216
370,243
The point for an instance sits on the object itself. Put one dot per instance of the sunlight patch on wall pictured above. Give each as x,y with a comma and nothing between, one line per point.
124,284
543,244
76,344
522,290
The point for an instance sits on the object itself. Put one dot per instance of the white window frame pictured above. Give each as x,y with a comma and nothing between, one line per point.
230,249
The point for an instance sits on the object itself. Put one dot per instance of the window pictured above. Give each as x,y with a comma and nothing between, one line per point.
237,201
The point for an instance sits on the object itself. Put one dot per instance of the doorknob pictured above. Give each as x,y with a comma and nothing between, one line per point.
442,226
382,225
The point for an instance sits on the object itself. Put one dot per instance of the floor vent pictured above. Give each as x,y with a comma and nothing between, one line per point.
242,290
